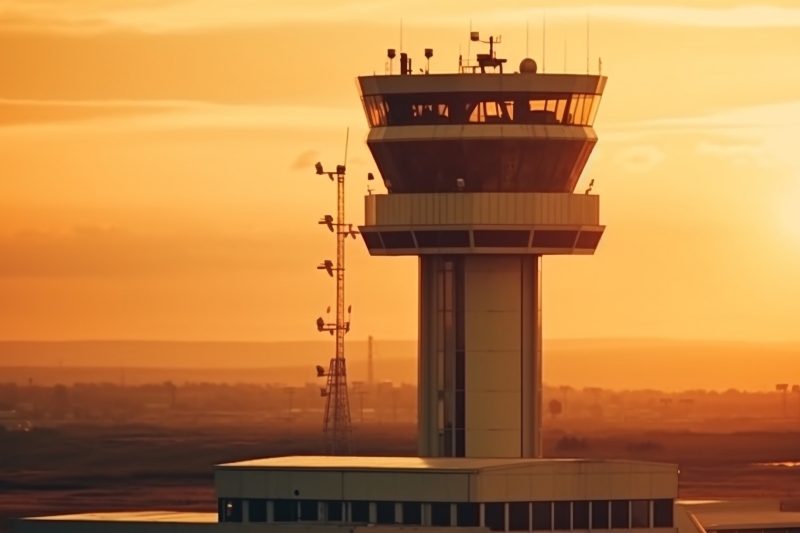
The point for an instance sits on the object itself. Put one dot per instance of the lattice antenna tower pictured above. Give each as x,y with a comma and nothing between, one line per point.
336,424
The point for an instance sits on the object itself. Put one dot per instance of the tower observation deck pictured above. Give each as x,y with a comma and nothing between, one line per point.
480,169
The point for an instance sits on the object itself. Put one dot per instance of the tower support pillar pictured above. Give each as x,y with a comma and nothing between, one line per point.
480,356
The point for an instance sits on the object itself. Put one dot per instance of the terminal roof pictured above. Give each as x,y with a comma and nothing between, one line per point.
322,462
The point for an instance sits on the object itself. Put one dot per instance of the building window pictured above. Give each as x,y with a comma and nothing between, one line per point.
580,515
620,514
468,515
440,514
542,516
662,513
412,513
519,516
359,512
257,510
494,516
230,510
309,510
600,514
285,510
384,512
561,516
333,511
640,513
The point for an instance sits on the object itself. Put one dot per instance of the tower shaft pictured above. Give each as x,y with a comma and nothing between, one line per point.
480,379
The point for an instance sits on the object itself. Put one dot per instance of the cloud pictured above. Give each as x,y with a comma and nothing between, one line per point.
305,160
149,115
96,251
639,159
193,15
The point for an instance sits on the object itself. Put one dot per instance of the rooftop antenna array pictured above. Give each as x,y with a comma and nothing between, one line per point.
544,29
336,425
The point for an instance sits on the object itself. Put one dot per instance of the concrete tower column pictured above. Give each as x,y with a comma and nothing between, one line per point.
480,358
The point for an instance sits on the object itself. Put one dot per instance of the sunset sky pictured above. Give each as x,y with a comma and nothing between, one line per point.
156,165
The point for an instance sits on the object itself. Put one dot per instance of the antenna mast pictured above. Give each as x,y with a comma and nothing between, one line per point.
336,426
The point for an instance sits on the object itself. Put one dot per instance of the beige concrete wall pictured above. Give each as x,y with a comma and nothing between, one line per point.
482,208
492,313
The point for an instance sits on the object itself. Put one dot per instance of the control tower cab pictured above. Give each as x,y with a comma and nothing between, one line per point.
480,168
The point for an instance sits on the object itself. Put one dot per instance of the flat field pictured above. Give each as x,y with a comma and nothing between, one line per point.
80,468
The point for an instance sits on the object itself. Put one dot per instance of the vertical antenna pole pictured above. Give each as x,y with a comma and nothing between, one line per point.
587,42
544,28
469,57
565,56
527,38
401,35
346,144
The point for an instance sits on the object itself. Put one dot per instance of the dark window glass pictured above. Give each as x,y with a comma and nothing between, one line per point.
589,239
309,510
384,512
231,510
468,515
518,516
640,513
494,516
412,513
442,239
285,510
372,239
501,238
580,515
257,510
461,443
440,514
334,511
359,512
460,409
662,513
620,518
220,509
600,514
561,516
553,238
542,516
397,239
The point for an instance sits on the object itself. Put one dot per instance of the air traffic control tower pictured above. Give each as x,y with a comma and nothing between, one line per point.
480,168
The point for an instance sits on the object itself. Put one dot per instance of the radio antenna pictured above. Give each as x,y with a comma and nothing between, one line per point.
346,144
587,42
544,28
565,56
527,38
401,35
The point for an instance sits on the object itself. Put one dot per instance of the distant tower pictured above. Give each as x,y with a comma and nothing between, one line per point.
480,168
370,375
336,425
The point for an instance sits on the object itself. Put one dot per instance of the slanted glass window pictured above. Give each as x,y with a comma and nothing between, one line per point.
640,513
600,518
494,516
518,516
561,516
468,515
620,514
359,512
309,510
384,512
662,513
542,516
440,514
285,510
580,515
230,510
257,510
412,513
334,511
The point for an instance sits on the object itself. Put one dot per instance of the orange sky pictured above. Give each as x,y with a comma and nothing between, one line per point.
156,157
